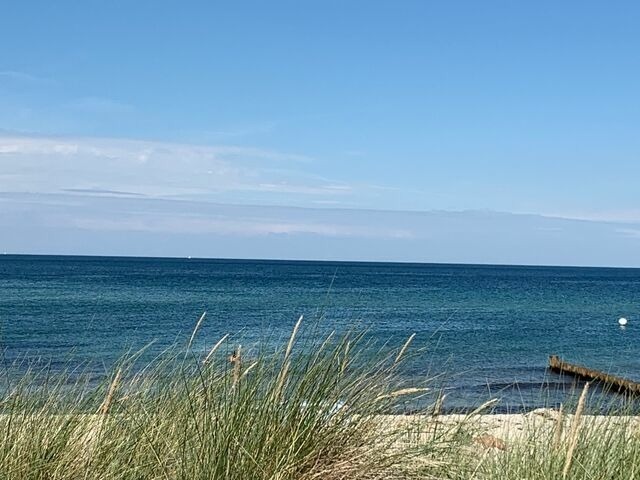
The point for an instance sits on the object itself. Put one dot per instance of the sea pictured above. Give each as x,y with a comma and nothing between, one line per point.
481,331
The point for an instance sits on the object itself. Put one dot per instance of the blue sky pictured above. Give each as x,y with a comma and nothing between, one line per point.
522,112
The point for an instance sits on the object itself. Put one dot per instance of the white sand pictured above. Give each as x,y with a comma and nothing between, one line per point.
500,430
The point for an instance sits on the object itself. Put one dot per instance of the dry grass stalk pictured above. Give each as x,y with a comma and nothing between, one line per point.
293,337
214,349
575,428
104,408
482,460
485,406
345,358
557,435
282,376
437,407
477,411
404,347
247,370
195,330
236,359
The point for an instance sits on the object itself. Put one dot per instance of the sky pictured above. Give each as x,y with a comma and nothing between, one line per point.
458,131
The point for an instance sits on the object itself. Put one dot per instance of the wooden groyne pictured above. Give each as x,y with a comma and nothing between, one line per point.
618,384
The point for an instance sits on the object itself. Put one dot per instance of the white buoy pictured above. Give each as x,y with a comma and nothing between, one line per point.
622,321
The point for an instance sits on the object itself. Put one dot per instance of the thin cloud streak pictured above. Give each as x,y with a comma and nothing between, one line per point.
161,169
22,77
119,225
244,228
630,232
96,191
126,214
614,216
101,105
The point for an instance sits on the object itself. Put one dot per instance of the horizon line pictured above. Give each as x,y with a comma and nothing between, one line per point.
310,260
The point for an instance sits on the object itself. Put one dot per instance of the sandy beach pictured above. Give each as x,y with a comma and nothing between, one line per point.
501,430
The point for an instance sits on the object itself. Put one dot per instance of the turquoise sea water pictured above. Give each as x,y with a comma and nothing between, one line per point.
491,328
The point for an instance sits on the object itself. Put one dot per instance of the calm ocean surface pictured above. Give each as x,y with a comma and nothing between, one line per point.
491,328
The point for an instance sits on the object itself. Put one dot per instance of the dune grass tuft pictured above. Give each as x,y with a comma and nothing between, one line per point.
295,413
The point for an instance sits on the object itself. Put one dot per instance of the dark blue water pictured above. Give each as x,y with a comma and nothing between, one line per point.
488,327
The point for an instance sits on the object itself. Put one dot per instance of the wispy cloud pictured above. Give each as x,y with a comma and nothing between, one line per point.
98,191
354,153
284,187
234,131
228,226
159,169
22,77
630,232
122,212
101,105
631,215
119,224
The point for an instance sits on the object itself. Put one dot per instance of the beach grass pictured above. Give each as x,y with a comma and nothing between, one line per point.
544,444
321,410
603,448
312,412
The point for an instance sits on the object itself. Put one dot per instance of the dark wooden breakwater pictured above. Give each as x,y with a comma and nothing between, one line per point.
618,384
